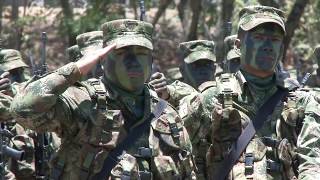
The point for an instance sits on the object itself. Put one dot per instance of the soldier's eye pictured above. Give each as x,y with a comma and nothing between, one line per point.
258,37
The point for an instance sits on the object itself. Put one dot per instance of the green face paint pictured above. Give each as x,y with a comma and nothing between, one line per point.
199,72
129,68
262,47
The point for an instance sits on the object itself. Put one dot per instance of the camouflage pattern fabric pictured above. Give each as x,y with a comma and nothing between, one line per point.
93,117
294,120
191,52
73,53
173,74
23,138
71,112
286,147
196,50
126,32
89,41
11,59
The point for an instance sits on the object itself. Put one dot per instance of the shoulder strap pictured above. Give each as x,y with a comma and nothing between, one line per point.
111,161
222,171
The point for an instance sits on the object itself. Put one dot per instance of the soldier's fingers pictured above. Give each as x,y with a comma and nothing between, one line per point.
161,89
4,86
5,74
159,85
4,80
103,52
155,75
157,81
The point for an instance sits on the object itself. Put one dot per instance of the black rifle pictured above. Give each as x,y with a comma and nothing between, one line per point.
6,151
142,10
41,143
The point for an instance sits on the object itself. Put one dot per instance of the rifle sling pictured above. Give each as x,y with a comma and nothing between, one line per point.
111,161
222,171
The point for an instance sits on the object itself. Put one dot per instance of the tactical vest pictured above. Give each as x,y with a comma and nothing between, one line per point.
271,153
148,158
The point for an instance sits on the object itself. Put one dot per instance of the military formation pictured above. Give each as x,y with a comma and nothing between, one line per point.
109,113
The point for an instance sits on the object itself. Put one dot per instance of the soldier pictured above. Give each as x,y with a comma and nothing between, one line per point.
302,61
88,42
314,80
113,125
12,68
198,69
73,53
233,54
257,130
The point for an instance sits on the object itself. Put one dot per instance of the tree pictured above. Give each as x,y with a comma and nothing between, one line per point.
293,21
196,10
161,9
1,9
227,7
68,20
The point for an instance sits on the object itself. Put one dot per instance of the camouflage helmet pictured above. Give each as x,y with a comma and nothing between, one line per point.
11,59
303,51
127,32
253,16
73,53
196,50
231,50
89,41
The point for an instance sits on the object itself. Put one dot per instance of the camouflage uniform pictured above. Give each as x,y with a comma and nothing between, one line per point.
286,147
73,53
88,42
11,60
93,117
192,51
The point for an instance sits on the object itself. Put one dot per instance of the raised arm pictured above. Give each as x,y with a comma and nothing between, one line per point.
44,99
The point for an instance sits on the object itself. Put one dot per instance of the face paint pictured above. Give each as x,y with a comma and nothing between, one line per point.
129,67
199,72
16,75
234,65
262,47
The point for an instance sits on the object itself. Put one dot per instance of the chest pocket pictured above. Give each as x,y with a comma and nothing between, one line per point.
106,128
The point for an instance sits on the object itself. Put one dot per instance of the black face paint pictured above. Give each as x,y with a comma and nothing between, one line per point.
16,75
234,65
199,72
129,67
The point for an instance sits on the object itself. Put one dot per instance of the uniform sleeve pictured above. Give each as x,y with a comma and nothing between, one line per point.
44,103
308,143
5,102
177,91
196,113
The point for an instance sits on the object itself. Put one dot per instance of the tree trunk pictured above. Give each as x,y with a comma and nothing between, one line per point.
133,4
182,9
1,9
161,9
227,7
15,10
68,18
196,10
293,21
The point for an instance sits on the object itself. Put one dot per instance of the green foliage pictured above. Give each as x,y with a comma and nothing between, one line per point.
97,13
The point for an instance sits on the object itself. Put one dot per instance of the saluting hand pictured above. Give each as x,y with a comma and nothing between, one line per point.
86,63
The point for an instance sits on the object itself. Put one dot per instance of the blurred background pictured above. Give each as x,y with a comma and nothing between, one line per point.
22,21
